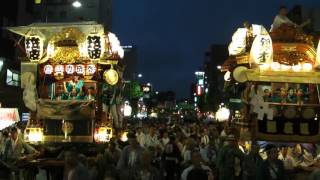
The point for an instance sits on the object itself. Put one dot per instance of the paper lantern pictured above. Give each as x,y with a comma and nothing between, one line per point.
59,70
91,69
307,67
80,69
297,68
262,51
238,43
95,46
275,66
69,69
34,47
103,134
33,135
48,69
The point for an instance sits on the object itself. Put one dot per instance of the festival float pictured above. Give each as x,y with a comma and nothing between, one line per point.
70,72
279,75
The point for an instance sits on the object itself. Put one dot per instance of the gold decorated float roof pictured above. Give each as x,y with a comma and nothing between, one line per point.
282,76
49,29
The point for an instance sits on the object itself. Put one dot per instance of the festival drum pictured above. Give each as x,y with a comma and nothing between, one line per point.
290,113
308,113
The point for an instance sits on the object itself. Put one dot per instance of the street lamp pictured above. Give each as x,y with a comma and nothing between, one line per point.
139,75
76,4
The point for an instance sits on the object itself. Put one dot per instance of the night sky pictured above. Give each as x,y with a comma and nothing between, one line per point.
173,35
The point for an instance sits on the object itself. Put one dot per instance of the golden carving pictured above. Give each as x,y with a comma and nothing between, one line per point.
289,34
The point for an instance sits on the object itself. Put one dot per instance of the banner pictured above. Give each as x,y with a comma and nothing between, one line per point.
65,109
8,116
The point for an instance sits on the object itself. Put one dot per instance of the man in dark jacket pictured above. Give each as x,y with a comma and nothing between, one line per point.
272,168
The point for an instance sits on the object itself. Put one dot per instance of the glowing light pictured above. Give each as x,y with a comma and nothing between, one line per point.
261,51
307,67
48,69
76,4
124,137
275,66
264,67
127,109
139,75
199,90
69,69
91,69
33,46
103,134
285,67
297,68
34,135
223,114
80,69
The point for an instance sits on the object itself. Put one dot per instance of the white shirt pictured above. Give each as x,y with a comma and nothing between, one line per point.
141,138
279,20
205,139
185,172
152,141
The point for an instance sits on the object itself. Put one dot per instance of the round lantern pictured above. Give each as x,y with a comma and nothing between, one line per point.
48,69
111,76
80,69
69,69
33,46
91,69
59,72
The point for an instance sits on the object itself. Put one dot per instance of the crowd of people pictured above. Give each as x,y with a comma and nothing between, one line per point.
164,151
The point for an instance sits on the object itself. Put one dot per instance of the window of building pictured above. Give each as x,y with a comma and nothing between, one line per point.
13,78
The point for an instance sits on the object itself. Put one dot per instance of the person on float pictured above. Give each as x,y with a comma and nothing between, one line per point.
74,86
90,94
281,18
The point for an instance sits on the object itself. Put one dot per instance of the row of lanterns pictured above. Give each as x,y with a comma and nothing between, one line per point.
94,47
275,66
70,69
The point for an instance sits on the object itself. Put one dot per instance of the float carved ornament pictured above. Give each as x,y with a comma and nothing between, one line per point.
293,53
289,34
66,45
